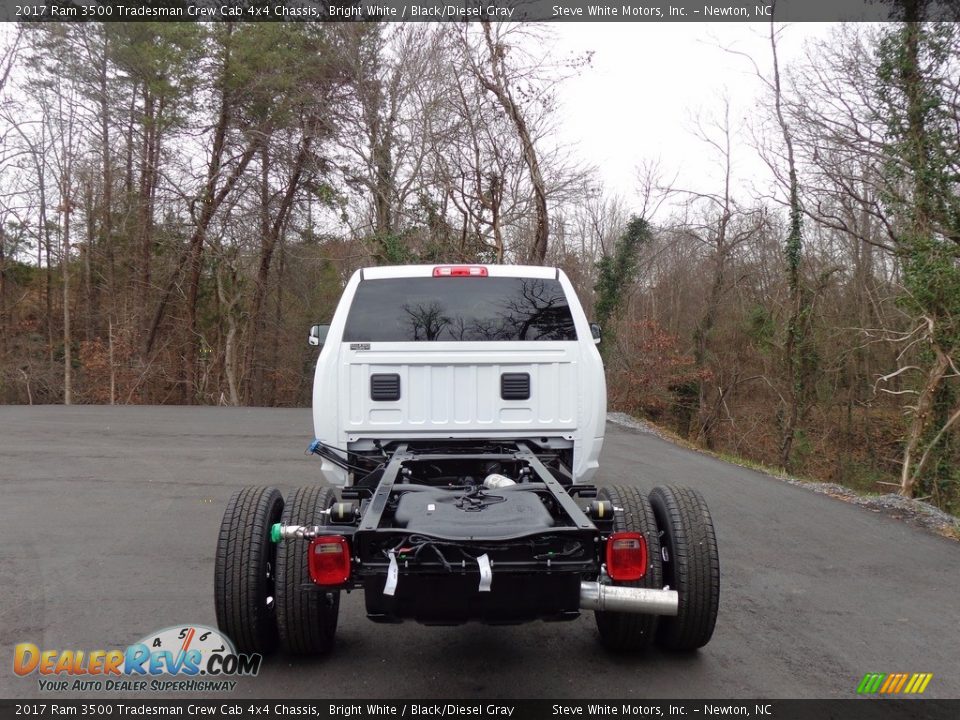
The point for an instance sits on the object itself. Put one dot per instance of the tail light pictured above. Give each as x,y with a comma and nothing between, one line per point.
329,560
626,556
460,271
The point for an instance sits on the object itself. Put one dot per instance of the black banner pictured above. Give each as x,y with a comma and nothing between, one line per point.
469,10
487,709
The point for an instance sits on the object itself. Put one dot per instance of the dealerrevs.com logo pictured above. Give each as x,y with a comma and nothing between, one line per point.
182,658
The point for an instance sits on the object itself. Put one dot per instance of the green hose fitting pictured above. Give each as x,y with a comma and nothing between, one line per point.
275,534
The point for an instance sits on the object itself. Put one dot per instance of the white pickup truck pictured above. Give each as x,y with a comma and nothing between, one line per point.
460,410
433,352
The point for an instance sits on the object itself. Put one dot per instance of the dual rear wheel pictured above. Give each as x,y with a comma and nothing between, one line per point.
681,554
263,593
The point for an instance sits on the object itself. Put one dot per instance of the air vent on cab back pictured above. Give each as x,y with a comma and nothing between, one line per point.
515,386
385,386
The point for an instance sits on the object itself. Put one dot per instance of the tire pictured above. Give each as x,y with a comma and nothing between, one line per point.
307,619
691,566
632,632
244,570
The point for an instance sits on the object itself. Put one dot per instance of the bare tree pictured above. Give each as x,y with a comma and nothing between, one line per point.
716,222
796,352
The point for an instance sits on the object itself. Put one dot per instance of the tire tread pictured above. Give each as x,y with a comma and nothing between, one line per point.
632,632
307,619
695,566
239,575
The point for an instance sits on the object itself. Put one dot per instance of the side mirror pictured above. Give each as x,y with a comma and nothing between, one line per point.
318,335
595,331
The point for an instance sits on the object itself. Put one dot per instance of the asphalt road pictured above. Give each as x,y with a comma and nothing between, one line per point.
108,524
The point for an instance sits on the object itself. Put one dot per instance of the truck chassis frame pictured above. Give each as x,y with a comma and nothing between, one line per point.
492,566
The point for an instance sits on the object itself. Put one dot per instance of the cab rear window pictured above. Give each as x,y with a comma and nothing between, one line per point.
464,309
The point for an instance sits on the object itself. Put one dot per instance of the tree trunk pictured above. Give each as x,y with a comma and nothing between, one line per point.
797,330
3,296
382,158
106,213
254,390
928,452
145,196
253,365
921,223
230,349
909,476
500,87
229,346
278,324
496,203
113,365
65,267
706,415
43,241
128,181
90,290
106,210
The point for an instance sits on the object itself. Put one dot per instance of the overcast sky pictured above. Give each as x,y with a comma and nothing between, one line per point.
648,82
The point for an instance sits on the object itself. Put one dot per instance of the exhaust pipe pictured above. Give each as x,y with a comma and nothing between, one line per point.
616,598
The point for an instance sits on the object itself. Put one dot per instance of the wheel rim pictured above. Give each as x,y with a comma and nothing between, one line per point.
666,557
271,583
270,568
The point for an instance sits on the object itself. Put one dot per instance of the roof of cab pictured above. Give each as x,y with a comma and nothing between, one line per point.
402,271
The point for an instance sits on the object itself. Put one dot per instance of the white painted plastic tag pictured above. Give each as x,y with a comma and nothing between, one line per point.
486,574
393,573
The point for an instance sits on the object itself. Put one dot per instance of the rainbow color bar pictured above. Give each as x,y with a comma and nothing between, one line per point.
894,683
